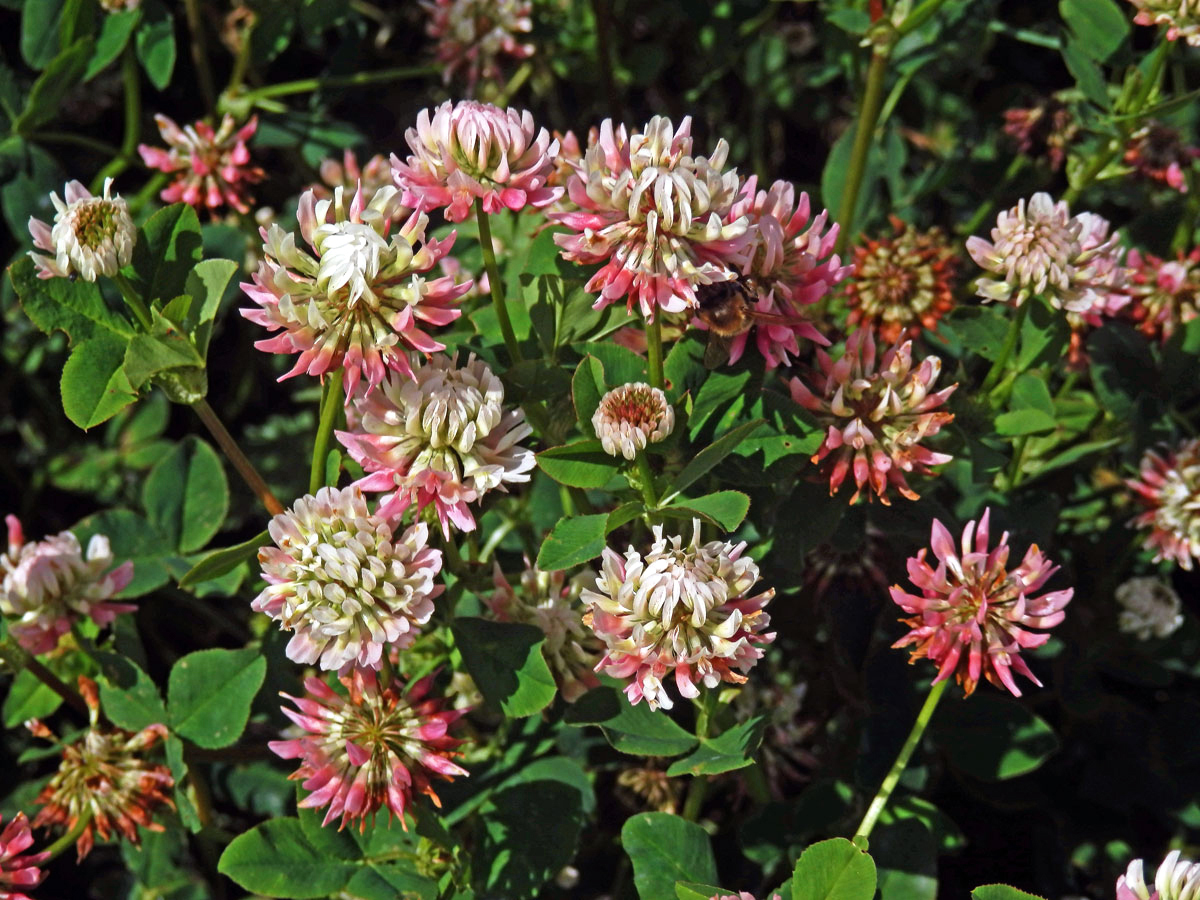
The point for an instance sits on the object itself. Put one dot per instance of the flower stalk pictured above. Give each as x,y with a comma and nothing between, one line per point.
131,80
893,776
17,658
654,352
1006,350
495,283
331,396
864,136
240,461
68,840
133,301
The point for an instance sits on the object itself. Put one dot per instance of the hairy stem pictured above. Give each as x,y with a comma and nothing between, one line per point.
331,404
893,776
495,283
240,461
864,136
654,352
646,477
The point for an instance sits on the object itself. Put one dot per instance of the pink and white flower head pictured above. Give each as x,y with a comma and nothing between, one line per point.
551,602
104,779
790,263
1110,294
211,168
358,299
876,414
350,176
972,614
475,37
1039,248
1168,485
1157,152
49,585
630,417
116,6
1166,294
1150,608
91,236
1182,18
1176,879
471,150
348,583
18,871
680,610
442,437
371,747
656,216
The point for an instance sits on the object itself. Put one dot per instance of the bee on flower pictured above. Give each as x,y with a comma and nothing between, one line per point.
91,236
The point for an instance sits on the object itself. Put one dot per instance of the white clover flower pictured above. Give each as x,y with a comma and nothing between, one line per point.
682,611
1039,248
91,236
632,416
441,437
1151,608
346,581
1176,879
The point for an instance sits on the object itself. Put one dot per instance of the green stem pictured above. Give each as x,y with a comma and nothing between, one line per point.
495,283
133,301
514,84
131,80
308,85
200,53
234,453
56,849
918,17
79,140
1014,468
387,674
906,752
698,789
86,647
985,208
453,558
17,658
646,477
864,136
241,62
331,405
1006,351
654,352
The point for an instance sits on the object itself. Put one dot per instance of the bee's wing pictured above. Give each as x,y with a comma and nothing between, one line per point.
716,353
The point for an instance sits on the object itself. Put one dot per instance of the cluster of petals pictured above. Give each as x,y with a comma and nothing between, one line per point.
741,895
349,584
551,602
1039,248
1157,152
788,264
972,615
875,413
49,585
1046,129
351,176
1168,486
1176,879
104,778
902,283
1166,293
116,6
471,150
90,237
654,215
371,747
1182,18
211,169
679,610
632,416
442,437
1150,608
358,300
474,37
19,870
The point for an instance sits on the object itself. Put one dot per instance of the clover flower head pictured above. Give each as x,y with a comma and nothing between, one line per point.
358,299
49,585
902,283
372,747
104,775
876,414
632,416
471,150
475,37
972,615
1182,18
679,610
1040,248
1046,129
1168,486
442,437
1166,293
1176,879
654,215
18,871
90,237
1157,152
788,264
551,602
1150,608
350,176
211,168
348,583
